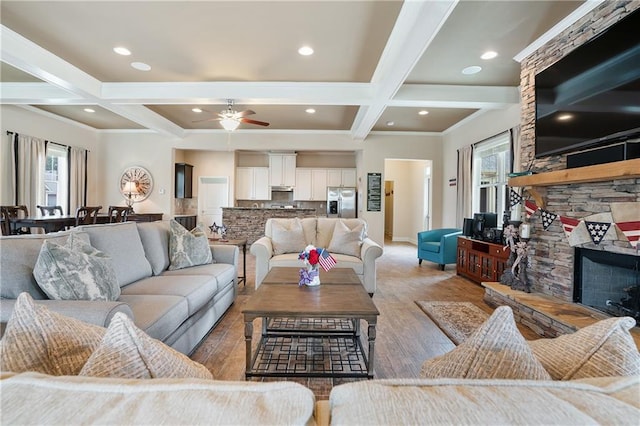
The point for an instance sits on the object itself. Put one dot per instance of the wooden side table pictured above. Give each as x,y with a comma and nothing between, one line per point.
242,243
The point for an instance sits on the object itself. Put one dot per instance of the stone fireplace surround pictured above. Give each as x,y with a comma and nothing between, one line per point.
552,258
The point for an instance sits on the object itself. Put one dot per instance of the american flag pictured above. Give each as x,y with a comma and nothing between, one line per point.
326,260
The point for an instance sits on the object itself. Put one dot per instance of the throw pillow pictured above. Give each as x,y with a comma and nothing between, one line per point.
128,352
188,248
496,350
75,271
345,240
37,339
605,348
287,236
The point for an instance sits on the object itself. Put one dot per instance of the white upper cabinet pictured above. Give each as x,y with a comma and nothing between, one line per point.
311,185
341,177
282,169
252,183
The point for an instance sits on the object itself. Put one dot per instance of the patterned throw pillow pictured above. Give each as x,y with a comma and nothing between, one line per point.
345,240
37,339
188,248
75,271
127,352
287,236
603,349
496,350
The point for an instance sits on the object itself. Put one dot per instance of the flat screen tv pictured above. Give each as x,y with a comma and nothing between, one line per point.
591,97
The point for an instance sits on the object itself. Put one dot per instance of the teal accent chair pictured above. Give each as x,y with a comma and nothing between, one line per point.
438,246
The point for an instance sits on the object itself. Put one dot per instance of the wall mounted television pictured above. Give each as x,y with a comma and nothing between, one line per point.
591,97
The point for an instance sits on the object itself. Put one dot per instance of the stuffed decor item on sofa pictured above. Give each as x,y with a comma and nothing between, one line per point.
438,246
345,239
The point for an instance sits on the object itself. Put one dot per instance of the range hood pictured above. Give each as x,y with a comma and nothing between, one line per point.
282,189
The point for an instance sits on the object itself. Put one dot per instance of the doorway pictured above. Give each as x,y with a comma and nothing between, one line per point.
213,195
388,208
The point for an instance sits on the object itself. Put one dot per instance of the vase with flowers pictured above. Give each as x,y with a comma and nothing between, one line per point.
310,274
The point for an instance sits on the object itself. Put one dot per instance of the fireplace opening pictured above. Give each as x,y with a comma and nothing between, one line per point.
608,282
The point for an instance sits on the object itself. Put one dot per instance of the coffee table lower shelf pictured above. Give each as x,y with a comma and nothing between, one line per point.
309,355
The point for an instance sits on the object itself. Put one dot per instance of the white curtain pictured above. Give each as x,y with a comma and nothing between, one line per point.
464,184
7,172
31,157
77,178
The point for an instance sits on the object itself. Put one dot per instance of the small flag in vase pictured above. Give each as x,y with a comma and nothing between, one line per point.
547,218
568,224
514,198
631,230
326,260
597,230
530,207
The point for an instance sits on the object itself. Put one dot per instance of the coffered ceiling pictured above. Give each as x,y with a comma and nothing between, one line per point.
374,62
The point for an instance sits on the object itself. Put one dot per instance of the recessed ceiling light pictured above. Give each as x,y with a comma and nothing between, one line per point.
391,123
140,66
196,110
565,117
310,111
489,55
122,51
89,110
305,51
474,69
423,112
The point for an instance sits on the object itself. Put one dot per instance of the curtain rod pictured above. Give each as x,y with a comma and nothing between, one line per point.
9,132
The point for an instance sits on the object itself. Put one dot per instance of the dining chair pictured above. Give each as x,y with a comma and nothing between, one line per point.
5,221
118,213
86,215
16,212
50,210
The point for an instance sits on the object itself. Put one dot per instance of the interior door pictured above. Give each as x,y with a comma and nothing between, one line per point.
213,195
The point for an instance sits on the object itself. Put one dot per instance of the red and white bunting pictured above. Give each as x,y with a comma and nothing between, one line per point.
631,230
530,208
568,224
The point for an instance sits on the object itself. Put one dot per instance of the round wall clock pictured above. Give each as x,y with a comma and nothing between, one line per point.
142,180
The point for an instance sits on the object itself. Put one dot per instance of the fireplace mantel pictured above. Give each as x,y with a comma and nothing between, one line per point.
628,169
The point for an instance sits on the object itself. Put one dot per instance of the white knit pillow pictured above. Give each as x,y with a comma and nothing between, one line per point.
603,349
496,350
345,240
287,236
37,339
128,352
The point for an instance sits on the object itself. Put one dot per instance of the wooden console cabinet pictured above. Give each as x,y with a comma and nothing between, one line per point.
481,261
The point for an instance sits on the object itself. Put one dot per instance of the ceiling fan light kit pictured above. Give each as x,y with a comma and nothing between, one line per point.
229,124
230,119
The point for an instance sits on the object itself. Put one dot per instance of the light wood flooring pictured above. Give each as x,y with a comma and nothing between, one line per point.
405,335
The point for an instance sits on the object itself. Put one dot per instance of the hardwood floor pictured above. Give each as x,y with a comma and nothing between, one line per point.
405,335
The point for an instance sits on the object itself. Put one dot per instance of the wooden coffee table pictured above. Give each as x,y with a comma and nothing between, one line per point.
310,331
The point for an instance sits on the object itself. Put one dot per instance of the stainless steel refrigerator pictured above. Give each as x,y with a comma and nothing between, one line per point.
341,202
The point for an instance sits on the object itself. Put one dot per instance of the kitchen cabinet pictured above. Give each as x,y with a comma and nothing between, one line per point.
481,261
282,169
341,177
311,185
252,183
183,180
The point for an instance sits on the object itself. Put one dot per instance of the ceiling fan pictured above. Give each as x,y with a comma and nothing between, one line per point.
231,119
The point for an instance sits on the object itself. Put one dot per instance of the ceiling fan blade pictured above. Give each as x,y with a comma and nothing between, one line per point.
245,113
259,123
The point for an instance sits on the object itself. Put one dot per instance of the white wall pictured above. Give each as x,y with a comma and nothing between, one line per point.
44,126
212,163
484,126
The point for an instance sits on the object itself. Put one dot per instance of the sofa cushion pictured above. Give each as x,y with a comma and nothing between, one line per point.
19,255
346,240
27,399
127,352
122,243
287,236
188,248
155,240
605,348
157,315
496,350
197,289
75,271
430,246
37,339
223,273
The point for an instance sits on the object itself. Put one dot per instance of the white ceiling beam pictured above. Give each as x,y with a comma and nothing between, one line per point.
27,56
455,96
37,93
415,28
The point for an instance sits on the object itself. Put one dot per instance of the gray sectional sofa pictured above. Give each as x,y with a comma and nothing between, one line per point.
178,307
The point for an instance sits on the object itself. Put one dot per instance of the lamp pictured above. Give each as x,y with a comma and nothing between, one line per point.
130,189
230,124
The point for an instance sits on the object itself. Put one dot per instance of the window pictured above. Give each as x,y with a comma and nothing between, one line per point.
491,165
56,176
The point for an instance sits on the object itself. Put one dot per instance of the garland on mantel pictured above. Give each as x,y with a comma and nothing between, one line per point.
624,218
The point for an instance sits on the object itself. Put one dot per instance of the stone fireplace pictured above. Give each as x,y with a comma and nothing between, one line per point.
552,258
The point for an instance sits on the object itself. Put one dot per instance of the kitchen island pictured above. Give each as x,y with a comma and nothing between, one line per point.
248,222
